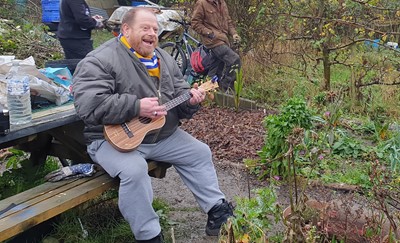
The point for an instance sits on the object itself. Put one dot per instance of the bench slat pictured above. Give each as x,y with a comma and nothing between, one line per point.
50,199
41,193
43,210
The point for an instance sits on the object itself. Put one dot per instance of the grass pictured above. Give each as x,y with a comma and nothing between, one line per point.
26,176
100,36
102,220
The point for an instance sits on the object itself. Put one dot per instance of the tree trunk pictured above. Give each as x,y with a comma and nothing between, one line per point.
327,68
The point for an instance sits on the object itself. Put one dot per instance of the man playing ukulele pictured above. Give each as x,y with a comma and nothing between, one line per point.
128,78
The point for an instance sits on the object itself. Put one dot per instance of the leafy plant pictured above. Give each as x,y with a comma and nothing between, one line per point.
13,161
254,217
348,173
24,40
162,209
22,174
390,150
238,86
102,220
349,147
294,114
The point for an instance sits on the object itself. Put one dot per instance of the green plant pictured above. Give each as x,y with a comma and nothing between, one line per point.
13,161
24,40
347,172
102,220
22,174
162,209
254,217
238,87
294,114
350,147
390,150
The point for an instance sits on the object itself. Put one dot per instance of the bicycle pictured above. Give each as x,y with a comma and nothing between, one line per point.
182,49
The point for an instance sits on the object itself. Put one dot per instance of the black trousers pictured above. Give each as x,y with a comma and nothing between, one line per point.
76,48
227,61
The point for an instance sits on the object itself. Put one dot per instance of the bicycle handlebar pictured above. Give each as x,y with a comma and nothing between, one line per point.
181,22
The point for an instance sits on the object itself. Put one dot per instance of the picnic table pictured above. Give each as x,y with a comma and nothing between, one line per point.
57,132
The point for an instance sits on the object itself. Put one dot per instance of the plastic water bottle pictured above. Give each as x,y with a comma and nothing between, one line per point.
18,96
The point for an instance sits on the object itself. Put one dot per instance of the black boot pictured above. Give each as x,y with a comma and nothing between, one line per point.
158,239
217,216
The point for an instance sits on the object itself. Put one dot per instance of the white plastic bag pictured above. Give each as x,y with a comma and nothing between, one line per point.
56,94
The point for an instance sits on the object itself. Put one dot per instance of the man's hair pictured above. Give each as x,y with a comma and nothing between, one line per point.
130,15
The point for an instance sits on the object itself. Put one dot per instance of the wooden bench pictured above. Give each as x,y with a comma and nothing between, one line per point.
29,208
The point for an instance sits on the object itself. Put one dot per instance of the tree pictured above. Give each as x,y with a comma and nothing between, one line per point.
325,32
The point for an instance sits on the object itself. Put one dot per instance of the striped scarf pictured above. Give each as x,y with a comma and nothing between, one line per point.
151,62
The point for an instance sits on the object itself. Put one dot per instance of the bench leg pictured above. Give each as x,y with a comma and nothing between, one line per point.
158,169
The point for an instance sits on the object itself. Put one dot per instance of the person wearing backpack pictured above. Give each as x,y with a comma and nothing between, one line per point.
212,22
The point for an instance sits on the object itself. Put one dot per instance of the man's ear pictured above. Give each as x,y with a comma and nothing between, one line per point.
124,29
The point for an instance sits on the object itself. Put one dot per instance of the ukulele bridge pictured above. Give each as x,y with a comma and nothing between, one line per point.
127,130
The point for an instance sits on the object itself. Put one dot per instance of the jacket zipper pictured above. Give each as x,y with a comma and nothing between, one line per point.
159,98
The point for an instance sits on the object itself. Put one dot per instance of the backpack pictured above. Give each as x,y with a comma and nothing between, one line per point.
201,60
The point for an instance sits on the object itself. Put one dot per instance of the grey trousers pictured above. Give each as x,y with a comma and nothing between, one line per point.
227,62
191,158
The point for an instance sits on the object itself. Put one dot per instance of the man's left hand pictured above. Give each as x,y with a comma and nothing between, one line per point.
236,38
198,95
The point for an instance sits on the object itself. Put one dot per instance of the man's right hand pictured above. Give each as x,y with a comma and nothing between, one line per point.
236,39
211,35
99,21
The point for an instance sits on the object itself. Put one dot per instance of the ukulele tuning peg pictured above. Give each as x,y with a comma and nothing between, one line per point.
214,79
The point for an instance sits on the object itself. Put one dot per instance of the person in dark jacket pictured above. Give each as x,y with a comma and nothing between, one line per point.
212,22
75,28
128,78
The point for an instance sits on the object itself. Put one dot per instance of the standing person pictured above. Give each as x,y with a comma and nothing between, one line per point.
75,28
212,22
129,77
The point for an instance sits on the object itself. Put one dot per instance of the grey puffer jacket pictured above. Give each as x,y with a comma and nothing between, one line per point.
109,82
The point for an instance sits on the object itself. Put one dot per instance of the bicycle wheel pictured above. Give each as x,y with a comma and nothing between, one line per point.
177,53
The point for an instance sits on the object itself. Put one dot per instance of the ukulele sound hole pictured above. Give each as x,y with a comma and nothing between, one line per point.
145,120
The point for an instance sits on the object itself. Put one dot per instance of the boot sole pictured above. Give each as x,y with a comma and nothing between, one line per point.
212,232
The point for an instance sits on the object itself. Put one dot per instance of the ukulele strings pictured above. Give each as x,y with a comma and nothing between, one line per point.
134,124
137,124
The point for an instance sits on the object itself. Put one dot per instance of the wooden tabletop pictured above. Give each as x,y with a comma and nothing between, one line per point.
41,121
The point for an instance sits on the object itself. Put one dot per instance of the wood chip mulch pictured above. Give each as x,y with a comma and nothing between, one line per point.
232,135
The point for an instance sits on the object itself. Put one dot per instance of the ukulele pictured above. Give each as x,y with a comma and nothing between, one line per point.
128,136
